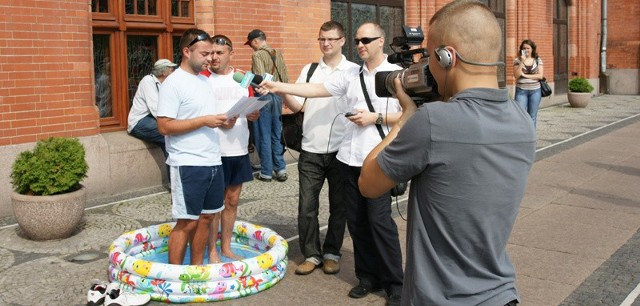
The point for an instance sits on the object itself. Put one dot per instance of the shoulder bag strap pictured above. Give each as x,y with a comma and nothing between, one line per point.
274,68
366,97
312,69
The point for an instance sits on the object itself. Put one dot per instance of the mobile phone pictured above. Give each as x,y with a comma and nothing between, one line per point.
349,114
523,52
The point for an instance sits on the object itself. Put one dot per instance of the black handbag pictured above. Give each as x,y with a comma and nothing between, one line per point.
400,188
545,88
292,123
292,131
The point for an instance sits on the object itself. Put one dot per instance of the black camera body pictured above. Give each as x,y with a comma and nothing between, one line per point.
416,78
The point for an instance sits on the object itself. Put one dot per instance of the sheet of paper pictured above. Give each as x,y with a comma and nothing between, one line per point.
258,104
246,105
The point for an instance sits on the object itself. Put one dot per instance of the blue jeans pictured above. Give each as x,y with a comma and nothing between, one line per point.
267,132
529,100
314,169
147,129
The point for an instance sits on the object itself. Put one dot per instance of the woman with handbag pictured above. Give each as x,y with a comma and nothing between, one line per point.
527,69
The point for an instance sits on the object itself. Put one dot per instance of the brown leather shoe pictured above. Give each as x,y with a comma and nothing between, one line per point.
305,268
330,266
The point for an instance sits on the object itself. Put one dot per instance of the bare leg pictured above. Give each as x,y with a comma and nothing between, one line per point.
231,199
200,238
213,238
178,239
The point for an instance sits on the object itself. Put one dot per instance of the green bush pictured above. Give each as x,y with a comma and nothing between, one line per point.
56,165
580,85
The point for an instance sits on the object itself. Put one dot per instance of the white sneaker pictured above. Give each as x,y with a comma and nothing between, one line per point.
116,297
97,293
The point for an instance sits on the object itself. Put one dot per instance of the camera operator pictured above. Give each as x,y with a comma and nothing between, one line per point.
378,258
468,160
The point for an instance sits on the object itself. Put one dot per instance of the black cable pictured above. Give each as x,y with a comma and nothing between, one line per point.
331,130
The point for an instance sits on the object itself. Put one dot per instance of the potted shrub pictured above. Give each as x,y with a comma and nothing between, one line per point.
48,200
579,93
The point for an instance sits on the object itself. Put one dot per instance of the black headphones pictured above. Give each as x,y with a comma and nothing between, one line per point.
446,58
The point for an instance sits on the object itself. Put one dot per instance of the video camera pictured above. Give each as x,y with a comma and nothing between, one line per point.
416,78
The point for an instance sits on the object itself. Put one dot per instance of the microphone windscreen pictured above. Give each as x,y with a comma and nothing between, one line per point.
257,79
238,76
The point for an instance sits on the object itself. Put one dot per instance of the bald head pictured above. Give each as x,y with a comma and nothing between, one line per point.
470,27
372,27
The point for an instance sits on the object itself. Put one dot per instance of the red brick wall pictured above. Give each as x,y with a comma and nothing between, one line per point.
623,34
584,38
290,26
46,82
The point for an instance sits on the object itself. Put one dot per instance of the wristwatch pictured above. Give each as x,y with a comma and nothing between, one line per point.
379,120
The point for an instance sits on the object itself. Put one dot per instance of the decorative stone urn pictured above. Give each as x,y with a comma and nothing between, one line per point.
579,99
49,217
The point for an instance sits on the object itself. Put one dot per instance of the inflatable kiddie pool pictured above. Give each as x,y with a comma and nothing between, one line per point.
129,265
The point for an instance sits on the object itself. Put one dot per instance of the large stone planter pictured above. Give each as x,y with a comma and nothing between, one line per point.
579,99
49,217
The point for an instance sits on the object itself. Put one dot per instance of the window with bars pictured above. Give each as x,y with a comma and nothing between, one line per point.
123,58
351,14
140,7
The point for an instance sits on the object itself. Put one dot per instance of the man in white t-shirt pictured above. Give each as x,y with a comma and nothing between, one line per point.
234,142
187,117
323,130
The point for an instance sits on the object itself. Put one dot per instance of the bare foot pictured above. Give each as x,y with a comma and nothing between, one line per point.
232,256
213,258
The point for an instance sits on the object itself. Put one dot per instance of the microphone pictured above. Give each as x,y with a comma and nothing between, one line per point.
246,79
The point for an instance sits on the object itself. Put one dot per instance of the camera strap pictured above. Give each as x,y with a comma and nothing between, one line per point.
366,97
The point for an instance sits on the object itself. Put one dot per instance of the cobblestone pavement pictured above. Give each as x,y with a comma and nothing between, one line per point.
49,273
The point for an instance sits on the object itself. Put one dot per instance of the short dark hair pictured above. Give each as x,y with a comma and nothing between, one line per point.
189,35
227,41
333,25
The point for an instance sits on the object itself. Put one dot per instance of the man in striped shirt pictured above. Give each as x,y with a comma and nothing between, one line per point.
267,130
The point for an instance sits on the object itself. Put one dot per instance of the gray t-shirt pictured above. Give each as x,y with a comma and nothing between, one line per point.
468,161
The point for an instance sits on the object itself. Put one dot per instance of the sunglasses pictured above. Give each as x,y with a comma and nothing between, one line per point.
198,38
364,40
330,40
221,41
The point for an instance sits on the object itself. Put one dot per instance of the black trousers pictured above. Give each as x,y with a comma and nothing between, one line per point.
314,169
377,254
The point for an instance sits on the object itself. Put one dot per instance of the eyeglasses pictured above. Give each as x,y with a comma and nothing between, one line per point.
330,40
364,40
221,41
198,38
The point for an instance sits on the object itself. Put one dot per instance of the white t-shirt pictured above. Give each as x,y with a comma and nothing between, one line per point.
145,101
186,96
233,141
318,134
359,141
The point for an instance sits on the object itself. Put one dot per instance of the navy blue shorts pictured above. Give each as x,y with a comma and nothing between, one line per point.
196,190
237,170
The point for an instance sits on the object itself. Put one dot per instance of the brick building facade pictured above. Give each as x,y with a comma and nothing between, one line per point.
48,80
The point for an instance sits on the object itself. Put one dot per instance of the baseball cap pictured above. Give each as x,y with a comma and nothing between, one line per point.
164,63
255,33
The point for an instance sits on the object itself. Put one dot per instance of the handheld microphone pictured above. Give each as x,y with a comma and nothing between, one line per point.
246,79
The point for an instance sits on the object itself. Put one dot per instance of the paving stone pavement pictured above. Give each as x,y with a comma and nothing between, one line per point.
44,273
